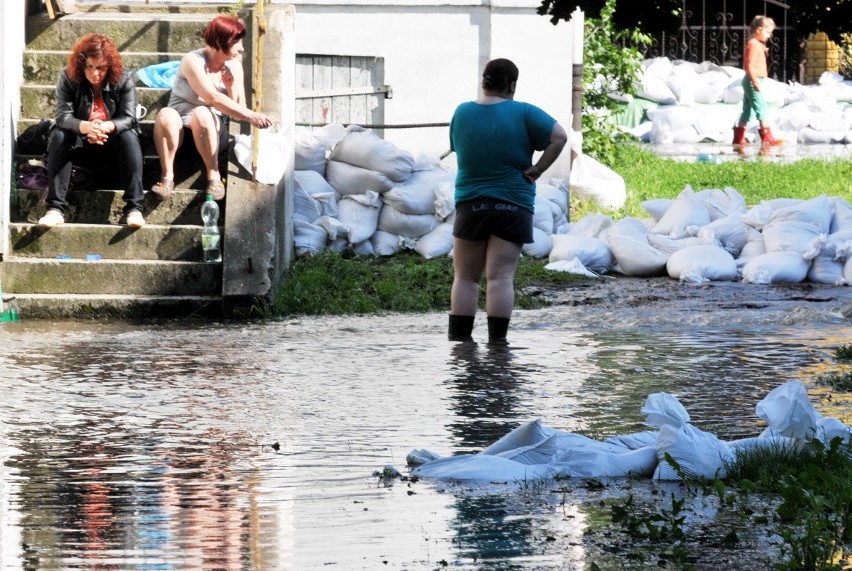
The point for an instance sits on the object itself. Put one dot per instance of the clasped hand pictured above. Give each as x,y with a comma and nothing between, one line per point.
97,134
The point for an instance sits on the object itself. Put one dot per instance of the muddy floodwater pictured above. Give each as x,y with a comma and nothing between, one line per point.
256,445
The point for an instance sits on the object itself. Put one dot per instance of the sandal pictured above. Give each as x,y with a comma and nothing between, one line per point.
163,189
216,189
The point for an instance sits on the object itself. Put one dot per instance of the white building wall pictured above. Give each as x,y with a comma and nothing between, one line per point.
12,43
434,55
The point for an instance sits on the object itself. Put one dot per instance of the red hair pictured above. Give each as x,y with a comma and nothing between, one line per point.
94,45
223,32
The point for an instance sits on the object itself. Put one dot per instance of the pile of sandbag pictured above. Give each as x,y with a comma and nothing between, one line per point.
711,235
687,102
357,192
536,452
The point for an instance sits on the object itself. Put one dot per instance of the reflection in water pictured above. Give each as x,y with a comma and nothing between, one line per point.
485,382
124,447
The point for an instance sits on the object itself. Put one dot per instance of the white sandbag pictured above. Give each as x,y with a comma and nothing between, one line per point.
711,87
417,194
529,434
385,244
590,225
274,154
360,214
555,191
436,243
683,80
663,409
602,461
592,180
315,185
730,232
420,456
793,236
811,136
333,227
700,264
363,148
635,440
816,211
788,411
847,270
543,215
669,246
672,118
349,179
540,246
825,269
483,468
363,248
758,215
830,428
330,134
657,207
632,254
339,245
839,244
722,203
572,266
593,253
754,245
776,267
841,214
305,208
401,224
685,216
310,153
308,239
445,201
699,454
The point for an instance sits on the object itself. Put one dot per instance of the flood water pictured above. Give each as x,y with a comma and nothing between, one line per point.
254,446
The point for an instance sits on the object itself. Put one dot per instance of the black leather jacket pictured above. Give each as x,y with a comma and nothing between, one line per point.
74,102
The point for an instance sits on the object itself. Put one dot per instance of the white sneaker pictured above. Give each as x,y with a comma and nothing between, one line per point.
51,218
135,219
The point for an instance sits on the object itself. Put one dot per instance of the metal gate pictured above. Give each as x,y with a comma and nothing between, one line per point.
340,89
717,31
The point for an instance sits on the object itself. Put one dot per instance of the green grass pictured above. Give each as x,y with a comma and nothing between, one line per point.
648,176
331,284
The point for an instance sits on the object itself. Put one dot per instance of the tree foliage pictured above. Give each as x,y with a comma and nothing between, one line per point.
834,17
650,16
609,67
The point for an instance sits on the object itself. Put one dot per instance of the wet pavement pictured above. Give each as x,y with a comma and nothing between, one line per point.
255,445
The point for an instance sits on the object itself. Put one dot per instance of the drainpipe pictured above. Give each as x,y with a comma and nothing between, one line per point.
578,23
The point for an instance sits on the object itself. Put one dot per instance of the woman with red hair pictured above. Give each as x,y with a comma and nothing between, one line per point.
95,115
208,90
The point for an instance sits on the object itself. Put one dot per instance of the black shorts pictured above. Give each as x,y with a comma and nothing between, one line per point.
480,218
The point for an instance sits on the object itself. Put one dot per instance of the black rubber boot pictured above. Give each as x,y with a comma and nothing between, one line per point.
497,329
461,326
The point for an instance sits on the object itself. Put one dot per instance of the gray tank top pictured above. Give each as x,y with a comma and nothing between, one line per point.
183,99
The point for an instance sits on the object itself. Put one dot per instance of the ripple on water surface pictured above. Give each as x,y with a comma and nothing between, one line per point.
254,445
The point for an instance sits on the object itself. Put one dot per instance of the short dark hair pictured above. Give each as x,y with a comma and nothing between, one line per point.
499,74
223,32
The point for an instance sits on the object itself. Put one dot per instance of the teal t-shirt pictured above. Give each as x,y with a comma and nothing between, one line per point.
494,144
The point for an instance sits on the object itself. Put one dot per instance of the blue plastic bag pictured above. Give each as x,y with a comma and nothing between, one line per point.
160,75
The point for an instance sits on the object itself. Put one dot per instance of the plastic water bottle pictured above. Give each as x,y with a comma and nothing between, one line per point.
210,233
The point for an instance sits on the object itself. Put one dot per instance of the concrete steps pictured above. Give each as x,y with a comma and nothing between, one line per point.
157,270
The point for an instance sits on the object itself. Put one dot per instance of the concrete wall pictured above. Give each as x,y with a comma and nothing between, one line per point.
12,18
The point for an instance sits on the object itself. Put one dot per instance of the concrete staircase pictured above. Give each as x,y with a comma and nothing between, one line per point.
153,271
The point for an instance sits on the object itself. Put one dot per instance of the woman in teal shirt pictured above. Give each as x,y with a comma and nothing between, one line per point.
494,139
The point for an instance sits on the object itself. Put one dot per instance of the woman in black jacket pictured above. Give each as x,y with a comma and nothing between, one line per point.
95,125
